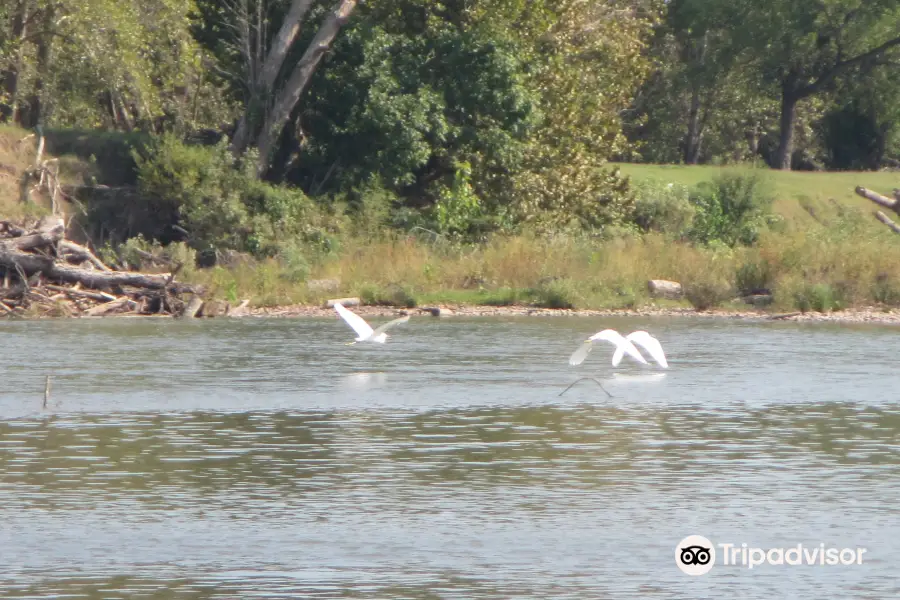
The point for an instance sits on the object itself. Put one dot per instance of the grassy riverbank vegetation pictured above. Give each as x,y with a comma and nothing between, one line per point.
440,153
724,233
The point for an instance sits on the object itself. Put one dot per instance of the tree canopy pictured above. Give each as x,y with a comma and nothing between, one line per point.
465,116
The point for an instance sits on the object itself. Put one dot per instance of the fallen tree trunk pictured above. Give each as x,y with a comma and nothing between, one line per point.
887,221
889,203
49,234
83,253
40,269
98,280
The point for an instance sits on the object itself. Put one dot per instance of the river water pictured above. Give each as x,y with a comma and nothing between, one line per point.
256,458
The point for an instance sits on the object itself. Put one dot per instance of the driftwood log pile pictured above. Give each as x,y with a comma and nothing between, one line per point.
44,274
892,204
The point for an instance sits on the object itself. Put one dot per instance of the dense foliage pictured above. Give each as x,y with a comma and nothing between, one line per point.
459,117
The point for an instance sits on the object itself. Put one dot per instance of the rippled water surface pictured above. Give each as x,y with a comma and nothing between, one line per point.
266,459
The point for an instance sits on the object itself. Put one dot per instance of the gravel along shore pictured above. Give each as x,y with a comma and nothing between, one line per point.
862,315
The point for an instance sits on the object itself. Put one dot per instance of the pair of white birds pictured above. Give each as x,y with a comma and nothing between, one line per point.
624,344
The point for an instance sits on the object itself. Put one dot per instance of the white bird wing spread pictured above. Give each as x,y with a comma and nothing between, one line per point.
623,345
608,335
388,325
358,324
581,353
648,343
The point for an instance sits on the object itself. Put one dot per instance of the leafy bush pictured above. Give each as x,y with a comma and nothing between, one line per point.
820,297
203,194
753,277
295,265
731,209
664,208
370,206
196,188
706,293
283,215
886,290
392,295
142,254
557,293
571,197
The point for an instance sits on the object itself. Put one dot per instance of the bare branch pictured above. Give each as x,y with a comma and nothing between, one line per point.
290,94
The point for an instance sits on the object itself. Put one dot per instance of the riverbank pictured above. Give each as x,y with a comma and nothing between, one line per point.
818,259
861,315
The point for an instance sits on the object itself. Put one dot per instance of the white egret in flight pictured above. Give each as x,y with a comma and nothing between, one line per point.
608,335
624,345
364,332
648,343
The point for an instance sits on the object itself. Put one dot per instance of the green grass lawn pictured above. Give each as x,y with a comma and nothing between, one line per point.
799,194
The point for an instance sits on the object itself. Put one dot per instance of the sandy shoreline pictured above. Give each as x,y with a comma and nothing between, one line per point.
861,315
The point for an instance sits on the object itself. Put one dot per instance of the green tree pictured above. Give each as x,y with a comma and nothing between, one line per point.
586,61
436,106
113,63
862,129
803,47
257,55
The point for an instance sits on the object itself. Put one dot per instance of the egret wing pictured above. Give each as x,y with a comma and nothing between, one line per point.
388,325
623,346
358,324
651,345
581,353
618,355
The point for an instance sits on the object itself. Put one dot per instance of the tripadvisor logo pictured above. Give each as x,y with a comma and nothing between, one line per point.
696,555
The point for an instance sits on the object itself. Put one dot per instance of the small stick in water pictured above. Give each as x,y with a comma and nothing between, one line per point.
582,379
46,391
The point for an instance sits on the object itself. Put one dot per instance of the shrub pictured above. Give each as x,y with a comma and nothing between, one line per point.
370,206
731,209
754,277
218,204
575,196
558,293
819,297
295,266
664,208
502,297
886,290
282,215
197,188
392,295
706,293
142,254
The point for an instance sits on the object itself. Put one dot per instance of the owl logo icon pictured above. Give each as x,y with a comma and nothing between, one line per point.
695,555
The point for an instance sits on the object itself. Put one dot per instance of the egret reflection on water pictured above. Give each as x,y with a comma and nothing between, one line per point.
642,378
594,379
364,380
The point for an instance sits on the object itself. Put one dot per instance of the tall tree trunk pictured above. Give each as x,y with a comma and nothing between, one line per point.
290,94
10,112
692,139
697,58
264,83
45,46
785,152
